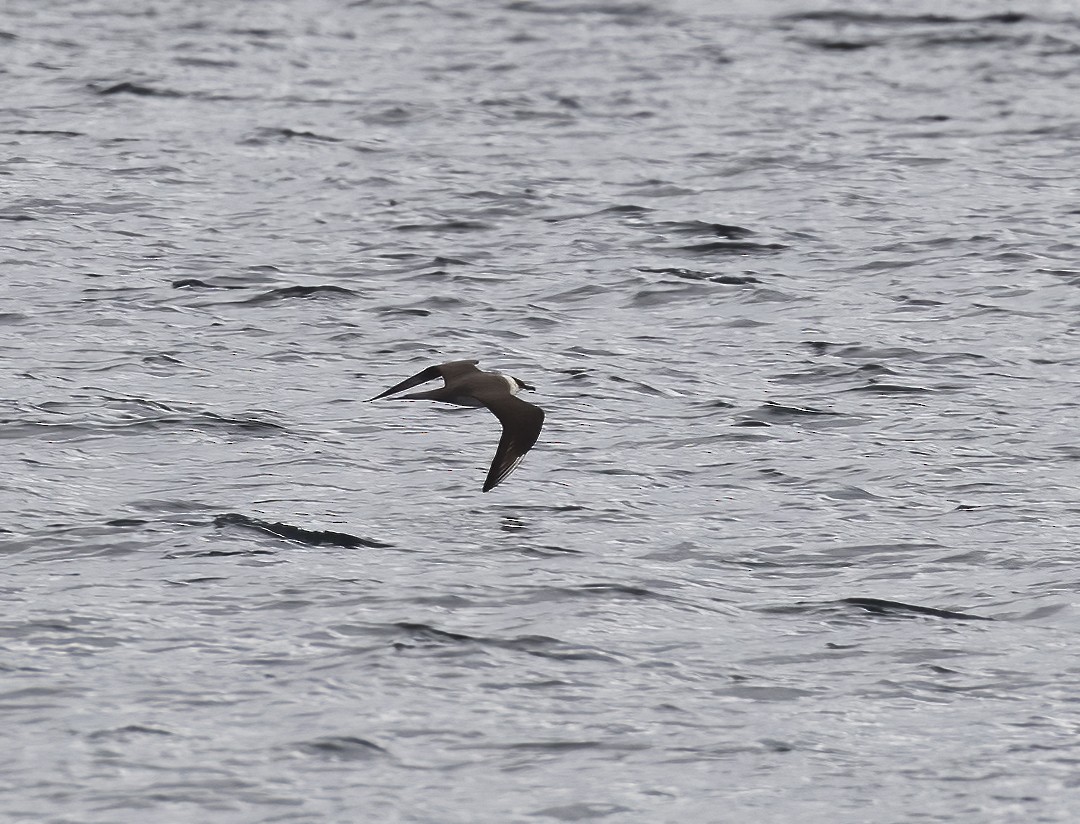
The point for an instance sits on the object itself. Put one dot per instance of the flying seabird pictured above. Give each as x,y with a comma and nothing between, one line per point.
465,385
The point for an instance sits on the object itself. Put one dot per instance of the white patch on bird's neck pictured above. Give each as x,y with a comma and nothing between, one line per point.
513,384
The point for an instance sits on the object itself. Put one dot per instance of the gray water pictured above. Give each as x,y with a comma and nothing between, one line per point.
796,283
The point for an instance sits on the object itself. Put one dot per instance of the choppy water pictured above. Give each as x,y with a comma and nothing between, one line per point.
796,283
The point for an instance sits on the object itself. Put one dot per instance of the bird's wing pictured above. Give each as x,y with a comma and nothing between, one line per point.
521,423
429,374
454,369
446,371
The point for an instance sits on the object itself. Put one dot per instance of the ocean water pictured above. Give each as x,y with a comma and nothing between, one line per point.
796,283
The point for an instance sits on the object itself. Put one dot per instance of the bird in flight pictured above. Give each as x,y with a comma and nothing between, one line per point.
465,385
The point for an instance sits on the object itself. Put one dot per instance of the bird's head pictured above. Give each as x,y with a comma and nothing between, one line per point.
522,385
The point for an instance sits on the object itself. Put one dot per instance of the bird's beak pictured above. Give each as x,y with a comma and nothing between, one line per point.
527,386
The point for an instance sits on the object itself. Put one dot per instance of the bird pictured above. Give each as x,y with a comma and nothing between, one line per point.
466,385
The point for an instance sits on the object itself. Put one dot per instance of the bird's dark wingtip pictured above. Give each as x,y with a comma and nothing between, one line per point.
429,374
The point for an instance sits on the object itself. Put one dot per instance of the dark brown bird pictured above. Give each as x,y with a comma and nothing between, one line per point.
465,385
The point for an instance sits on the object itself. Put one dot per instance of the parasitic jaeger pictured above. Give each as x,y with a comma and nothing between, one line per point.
465,385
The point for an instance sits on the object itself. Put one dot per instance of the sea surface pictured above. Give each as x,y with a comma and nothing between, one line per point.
797,283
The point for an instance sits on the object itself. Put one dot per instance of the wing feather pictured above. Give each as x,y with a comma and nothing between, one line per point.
521,422
446,371
457,368
429,374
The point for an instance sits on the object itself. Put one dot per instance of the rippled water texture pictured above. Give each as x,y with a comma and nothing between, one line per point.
797,286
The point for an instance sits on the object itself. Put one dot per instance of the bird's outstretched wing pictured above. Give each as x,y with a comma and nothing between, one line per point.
446,371
454,369
521,423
